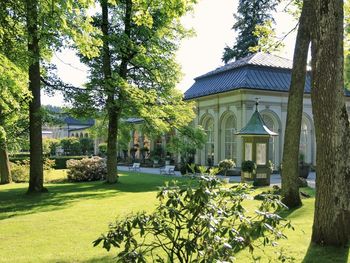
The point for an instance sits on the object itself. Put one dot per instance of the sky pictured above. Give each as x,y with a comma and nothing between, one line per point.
212,21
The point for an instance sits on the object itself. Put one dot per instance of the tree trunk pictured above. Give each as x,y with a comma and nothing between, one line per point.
331,216
112,110
112,176
36,176
5,171
290,169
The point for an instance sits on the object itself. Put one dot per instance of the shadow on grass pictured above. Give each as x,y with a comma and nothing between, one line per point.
14,201
104,259
324,254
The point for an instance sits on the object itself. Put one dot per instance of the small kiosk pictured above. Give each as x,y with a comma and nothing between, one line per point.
256,137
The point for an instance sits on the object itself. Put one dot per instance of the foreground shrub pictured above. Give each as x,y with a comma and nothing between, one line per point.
86,169
205,223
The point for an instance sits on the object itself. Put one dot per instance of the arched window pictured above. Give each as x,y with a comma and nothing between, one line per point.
209,146
305,140
230,138
272,142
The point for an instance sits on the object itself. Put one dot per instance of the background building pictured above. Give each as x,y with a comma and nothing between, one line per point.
225,99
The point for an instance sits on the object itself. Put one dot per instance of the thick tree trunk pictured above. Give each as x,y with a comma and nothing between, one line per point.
5,170
290,170
35,122
112,176
331,218
112,110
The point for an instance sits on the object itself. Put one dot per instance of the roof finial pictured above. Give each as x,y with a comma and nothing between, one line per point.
256,103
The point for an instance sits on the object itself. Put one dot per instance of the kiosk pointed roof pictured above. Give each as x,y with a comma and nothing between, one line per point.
256,126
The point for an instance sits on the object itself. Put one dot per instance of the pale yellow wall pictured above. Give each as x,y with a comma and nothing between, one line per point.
242,104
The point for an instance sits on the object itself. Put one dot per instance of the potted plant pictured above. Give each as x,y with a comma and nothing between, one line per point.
167,160
226,165
248,169
133,152
156,159
144,152
304,168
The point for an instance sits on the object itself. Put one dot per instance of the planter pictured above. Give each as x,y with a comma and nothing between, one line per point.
304,170
225,180
246,176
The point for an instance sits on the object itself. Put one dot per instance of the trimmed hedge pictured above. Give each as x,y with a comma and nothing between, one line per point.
20,155
61,161
18,159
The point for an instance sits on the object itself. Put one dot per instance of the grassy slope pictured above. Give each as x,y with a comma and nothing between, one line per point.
60,226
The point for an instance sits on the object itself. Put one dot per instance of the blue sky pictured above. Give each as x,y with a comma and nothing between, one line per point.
212,20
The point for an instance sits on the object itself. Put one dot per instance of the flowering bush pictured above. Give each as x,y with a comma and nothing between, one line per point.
86,169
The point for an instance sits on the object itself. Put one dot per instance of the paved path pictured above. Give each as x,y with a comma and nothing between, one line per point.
275,178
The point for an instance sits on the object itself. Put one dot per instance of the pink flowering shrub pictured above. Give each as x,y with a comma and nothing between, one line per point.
86,169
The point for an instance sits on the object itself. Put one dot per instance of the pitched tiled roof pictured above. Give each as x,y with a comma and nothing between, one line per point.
258,71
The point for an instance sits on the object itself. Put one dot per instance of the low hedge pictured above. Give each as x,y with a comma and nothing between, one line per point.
20,155
61,161
18,159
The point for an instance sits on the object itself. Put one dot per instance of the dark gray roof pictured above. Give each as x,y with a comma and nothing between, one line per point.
134,120
84,122
259,71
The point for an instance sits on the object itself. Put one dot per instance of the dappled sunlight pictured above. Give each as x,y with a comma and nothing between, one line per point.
14,201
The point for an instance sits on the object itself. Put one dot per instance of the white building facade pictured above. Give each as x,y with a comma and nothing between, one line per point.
225,100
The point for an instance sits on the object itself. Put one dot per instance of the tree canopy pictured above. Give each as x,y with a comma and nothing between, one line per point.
136,73
253,23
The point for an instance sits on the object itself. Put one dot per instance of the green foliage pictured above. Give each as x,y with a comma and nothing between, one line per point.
86,169
86,145
71,146
61,161
226,165
248,166
252,24
50,145
143,37
102,149
206,223
13,101
267,41
186,142
20,169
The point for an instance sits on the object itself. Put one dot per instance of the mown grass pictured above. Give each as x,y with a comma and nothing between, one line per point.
60,226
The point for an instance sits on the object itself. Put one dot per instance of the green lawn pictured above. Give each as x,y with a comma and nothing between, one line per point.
61,225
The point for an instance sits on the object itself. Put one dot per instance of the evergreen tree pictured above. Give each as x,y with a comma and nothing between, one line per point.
250,15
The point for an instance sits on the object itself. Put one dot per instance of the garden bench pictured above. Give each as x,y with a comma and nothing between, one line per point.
168,169
135,167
